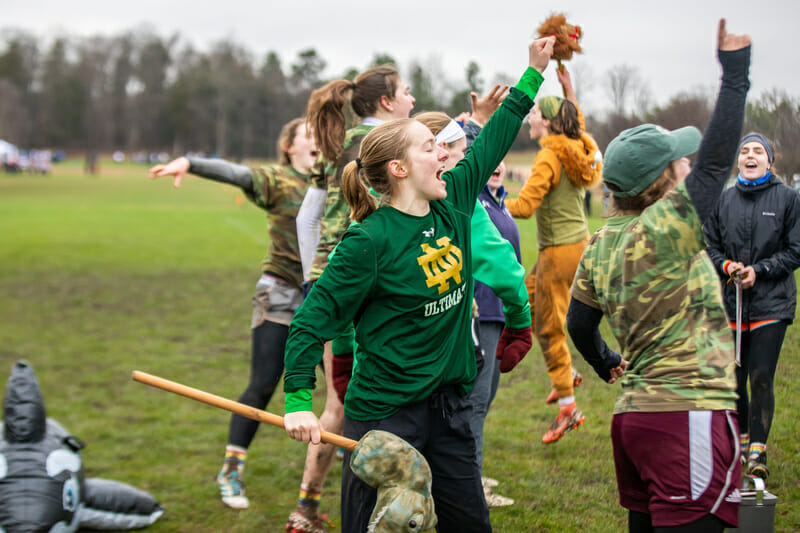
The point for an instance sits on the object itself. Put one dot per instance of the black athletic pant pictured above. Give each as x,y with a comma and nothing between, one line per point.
439,428
266,368
760,350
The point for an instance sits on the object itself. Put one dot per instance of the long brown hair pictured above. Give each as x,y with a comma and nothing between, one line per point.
383,144
326,106
286,138
566,121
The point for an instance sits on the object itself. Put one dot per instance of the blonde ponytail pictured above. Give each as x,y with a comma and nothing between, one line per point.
362,203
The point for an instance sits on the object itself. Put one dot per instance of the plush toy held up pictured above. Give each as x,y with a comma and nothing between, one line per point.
567,36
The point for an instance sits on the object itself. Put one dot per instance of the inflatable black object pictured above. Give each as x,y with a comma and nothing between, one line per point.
42,485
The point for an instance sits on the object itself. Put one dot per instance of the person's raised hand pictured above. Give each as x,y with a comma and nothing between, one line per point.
564,77
540,51
729,41
482,108
565,80
177,167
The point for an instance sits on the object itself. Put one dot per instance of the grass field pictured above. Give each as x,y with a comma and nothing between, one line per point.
102,275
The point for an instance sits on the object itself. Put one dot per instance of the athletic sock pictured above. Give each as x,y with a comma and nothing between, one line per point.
744,443
566,409
308,501
756,449
235,457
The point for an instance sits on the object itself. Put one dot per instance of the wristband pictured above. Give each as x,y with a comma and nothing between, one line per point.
299,400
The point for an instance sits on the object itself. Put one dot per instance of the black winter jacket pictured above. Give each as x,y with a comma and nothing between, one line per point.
758,226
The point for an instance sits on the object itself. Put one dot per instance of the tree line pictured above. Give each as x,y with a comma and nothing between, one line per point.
141,91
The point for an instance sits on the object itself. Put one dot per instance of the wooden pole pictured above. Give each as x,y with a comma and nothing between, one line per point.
230,405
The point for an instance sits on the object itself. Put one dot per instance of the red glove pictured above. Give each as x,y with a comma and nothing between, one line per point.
342,370
513,346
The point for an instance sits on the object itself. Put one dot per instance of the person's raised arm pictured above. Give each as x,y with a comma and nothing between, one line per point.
565,80
718,148
467,179
482,110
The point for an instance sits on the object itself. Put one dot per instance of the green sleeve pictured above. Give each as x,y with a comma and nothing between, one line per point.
466,180
299,400
494,263
530,82
329,308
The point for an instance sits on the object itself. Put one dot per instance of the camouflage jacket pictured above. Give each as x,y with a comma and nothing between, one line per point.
652,279
280,190
328,175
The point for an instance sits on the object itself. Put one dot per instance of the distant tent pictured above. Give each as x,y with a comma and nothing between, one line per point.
7,149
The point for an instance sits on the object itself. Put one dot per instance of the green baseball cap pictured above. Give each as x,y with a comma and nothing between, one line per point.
637,156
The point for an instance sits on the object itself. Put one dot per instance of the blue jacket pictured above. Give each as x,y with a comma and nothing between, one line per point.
490,307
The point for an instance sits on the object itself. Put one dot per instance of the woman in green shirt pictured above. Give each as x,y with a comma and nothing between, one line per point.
404,277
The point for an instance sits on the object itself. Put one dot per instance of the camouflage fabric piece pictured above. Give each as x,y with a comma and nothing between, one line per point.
337,213
280,190
654,282
403,479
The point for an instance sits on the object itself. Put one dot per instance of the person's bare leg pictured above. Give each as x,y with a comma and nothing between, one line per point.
320,456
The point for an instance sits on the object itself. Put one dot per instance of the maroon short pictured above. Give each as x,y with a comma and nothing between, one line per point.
678,466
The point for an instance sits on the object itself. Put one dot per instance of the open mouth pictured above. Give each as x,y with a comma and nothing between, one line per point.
314,153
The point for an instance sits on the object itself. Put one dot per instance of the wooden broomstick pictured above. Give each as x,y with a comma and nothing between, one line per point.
383,460
567,36
230,405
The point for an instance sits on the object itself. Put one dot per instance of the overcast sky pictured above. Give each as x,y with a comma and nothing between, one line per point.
670,43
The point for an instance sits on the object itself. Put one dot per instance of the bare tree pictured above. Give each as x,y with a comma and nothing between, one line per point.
13,113
621,83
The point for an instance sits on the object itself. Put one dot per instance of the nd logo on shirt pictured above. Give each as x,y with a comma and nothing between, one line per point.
441,264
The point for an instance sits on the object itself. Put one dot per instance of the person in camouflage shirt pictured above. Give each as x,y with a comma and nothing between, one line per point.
375,96
279,190
674,429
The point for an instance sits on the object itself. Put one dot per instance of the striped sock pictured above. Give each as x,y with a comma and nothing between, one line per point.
235,457
744,443
308,499
756,449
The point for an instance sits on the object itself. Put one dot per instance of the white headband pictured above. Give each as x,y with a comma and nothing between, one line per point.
451,133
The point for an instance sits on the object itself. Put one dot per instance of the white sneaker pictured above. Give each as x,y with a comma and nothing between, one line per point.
231,488
489,482
495,500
